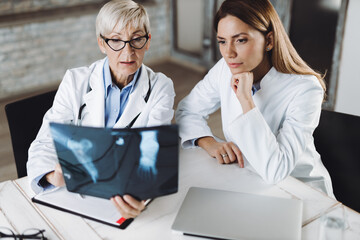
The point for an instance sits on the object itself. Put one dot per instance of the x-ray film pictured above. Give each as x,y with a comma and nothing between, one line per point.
105,162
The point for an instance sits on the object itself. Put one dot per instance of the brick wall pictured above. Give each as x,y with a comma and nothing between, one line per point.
35,53
20,6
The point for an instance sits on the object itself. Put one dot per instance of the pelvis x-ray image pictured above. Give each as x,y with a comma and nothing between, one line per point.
104,162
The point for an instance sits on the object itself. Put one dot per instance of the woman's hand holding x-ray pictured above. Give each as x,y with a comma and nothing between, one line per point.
56,177
128,206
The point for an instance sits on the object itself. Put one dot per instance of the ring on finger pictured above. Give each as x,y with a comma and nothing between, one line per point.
224,155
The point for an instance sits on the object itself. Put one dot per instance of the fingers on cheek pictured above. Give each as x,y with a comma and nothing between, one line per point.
234,81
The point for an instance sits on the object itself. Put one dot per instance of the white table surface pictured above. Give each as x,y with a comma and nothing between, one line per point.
196,169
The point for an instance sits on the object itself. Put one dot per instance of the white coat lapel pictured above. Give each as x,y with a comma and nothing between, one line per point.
94,112
136,101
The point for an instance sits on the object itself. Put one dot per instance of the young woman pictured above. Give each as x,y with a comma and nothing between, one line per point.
270,99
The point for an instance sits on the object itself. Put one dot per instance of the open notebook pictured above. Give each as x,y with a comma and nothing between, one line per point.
93,208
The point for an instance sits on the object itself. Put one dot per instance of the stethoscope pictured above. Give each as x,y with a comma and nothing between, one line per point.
132,121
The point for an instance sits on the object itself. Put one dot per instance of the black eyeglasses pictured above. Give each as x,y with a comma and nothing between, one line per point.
117,44
31,233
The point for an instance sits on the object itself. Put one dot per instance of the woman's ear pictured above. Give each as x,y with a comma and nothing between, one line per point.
101,45
269,38
148,43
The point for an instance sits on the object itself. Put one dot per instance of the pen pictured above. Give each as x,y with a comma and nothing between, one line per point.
147,202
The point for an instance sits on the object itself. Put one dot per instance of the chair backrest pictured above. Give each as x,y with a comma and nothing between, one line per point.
25,119
337,139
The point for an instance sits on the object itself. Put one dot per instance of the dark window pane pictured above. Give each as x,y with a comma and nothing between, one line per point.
313,30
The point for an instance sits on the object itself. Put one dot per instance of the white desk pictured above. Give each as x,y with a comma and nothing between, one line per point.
196,169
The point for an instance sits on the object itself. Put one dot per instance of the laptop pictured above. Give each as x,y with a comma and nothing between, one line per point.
233,215
105,162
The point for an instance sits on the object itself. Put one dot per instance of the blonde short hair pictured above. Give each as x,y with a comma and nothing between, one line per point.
120,14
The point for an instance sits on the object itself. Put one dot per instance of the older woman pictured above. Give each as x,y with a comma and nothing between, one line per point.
118,91
270,99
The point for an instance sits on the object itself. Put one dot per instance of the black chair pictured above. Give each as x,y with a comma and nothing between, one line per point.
24,119
337,139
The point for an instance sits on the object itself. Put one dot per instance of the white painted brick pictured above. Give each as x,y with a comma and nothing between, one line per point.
19,6
5,6
40,52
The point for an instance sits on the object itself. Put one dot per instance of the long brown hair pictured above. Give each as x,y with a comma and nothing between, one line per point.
261,15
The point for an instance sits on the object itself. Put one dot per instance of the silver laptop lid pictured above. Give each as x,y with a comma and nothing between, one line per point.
233,215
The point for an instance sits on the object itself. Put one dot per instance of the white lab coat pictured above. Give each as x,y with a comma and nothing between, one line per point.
86,85
275,137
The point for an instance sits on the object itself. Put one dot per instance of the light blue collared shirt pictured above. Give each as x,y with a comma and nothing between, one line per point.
255,88
115,103
116,99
